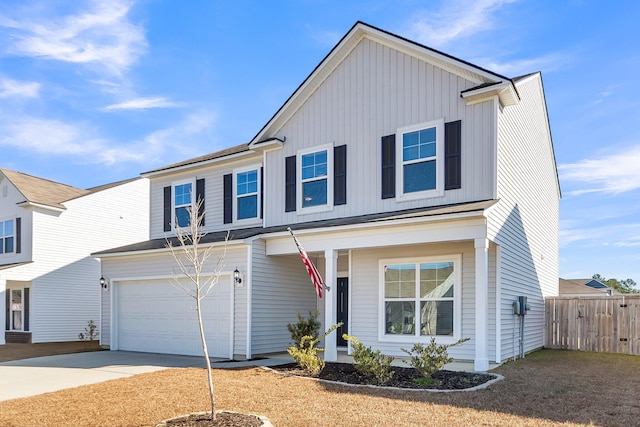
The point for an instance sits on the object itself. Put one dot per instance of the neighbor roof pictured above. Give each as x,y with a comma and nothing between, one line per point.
42,191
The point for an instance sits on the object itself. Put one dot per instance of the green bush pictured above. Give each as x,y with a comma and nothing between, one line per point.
305,352
429,359
305,327
90,332
370,362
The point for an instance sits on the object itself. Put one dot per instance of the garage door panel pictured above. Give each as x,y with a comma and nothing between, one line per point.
155,316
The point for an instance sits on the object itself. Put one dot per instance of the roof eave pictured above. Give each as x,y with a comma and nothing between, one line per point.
505,91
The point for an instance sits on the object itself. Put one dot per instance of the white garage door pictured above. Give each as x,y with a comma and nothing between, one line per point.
154,316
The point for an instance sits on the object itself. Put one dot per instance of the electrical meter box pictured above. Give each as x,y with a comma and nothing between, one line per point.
520,306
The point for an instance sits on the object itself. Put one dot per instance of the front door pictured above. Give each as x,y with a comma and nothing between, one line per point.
342,314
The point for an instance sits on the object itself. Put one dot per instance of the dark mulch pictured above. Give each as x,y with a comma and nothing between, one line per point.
223,419
402,377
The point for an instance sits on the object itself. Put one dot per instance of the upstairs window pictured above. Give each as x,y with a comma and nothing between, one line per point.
7,236
247,202
314,179
182,203
420,155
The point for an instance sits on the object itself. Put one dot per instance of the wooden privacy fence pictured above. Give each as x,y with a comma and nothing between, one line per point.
606,324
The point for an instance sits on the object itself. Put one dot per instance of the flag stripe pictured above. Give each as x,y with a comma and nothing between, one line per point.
312,271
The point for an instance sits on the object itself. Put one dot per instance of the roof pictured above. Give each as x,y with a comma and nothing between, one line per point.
42,191
582,287
238,149
246,233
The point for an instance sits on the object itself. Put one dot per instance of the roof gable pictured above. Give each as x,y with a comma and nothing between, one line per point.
483,78
42,191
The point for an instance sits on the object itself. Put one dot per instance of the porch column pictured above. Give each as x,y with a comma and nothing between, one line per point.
481,361
3,308
330,279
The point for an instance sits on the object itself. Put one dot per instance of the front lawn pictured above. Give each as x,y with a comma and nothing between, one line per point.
546,388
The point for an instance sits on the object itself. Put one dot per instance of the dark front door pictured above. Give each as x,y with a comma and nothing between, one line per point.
342,314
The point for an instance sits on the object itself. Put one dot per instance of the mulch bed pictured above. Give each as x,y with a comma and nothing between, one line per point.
223,419
402,377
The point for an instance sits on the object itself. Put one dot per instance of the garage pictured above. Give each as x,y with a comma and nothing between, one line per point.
156,317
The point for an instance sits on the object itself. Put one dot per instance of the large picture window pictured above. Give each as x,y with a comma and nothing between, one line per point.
420,155
247,194
7,236
419,298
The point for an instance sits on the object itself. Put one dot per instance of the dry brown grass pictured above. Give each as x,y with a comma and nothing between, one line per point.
547,388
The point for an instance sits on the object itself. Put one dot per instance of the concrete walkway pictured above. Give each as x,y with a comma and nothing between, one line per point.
29,377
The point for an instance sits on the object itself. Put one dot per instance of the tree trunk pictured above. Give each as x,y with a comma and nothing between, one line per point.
206,358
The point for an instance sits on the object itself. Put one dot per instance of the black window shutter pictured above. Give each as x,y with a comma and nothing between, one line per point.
452,155
25,321
389,166
18,235
261,192
340,175
200,199
290,184
228,198
7,309
167,208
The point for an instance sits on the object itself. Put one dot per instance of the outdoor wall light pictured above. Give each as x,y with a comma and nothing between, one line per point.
103,282
236,276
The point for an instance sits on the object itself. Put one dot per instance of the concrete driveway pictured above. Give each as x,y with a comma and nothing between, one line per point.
28,377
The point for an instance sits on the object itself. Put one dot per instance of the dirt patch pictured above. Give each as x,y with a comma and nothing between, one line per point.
547,388
26,351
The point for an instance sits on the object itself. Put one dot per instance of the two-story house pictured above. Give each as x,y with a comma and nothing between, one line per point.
423,187
49,283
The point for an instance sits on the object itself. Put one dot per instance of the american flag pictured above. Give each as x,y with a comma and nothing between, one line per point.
316,279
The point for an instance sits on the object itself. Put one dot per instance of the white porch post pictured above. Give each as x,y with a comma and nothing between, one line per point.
3,309
481,361
330,277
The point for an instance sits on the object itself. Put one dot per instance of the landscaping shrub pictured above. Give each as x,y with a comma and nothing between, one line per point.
305,327
305,352
428,359
370,362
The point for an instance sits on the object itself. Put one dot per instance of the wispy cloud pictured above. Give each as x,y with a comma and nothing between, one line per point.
613,174
456,19
101,35
518,67
143,104
12,88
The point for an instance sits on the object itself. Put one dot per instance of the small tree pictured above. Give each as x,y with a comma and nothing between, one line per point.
191,257
305,327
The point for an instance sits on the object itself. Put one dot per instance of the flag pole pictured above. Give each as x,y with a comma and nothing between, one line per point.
316,279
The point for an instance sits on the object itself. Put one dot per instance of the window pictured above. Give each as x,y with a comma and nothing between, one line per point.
247,202
7,236
420,160
16,309
314,179
182,203
419,298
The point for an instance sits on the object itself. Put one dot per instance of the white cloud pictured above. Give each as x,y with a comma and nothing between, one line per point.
12,88
143,104
102,35
613,174
455,20
524,66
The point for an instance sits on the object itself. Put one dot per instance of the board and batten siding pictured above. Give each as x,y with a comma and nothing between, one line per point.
280,288
163,265
372,93
213,190
365,286
525,221
65,289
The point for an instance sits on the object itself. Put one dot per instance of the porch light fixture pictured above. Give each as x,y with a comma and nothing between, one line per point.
236,276
103,282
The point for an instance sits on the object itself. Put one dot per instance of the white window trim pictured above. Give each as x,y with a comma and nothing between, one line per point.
173,199
457,300
15,238
439,190
322,208
246,221
11,310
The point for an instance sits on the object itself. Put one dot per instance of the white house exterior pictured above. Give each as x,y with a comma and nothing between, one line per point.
49,282
423,187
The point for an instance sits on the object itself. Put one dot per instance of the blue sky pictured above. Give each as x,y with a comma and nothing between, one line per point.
93,92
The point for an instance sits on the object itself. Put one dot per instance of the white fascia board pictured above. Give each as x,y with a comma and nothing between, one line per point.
230,243
389,233
196,165
505,91
27,204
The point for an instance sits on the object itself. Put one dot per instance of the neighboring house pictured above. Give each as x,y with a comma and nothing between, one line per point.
583,287
423,187
49,283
